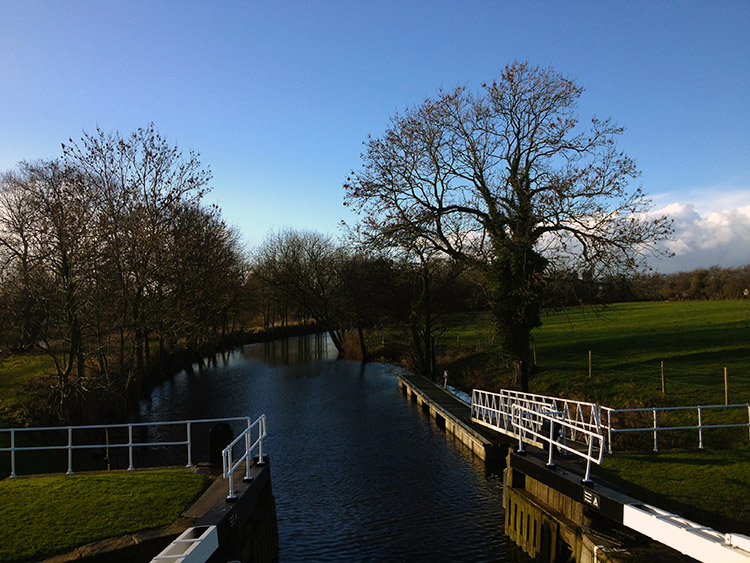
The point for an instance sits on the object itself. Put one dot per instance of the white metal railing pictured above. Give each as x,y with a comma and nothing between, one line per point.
655,428
495,410
544,421
551,427
71,431
229,466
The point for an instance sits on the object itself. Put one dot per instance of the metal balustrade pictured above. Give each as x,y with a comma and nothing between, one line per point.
655,428
564,425
580,421
71,431
551,428
227,455
495,411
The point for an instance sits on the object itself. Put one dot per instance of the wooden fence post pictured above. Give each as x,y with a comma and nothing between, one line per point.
589,363
663,388
726,387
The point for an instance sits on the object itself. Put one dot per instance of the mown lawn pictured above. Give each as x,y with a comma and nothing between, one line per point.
43,515
696,340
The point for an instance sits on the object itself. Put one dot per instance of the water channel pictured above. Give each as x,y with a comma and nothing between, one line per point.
359,473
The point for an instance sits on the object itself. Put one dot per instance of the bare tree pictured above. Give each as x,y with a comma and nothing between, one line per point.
59,242
106,248
201,281
22,315
143,184
305,266
508,182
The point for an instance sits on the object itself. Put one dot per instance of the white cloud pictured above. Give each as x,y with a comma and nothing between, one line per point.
709,236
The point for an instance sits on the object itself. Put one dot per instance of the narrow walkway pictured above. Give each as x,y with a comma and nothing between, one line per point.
486,443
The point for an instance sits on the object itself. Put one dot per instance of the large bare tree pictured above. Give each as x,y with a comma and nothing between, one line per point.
508,181
143,184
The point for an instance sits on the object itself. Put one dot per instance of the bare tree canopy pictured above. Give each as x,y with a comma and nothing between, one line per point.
508,181
105,253
305,267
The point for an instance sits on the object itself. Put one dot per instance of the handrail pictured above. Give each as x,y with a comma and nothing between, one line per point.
655,428
555,420
495,410
130,444
228,467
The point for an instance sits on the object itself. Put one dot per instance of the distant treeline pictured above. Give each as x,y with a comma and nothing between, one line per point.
697,285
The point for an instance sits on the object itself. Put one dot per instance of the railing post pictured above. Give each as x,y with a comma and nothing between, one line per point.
130,447
587,477
748,421
13,452
70,451
189,445
656,446
261,434
228,473
700,429
551,463
520,433
609,431
247,453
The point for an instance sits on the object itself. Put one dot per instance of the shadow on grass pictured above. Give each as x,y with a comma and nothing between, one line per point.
707,487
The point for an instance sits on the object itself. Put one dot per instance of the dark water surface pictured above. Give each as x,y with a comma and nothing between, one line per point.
359,473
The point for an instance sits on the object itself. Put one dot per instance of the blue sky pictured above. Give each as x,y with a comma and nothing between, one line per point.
277,97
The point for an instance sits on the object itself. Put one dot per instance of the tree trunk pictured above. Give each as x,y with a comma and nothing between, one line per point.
362,343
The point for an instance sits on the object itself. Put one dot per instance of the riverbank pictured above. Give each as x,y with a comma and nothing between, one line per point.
25,380
627,343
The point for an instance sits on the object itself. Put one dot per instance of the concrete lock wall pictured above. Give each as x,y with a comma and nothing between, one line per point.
550,525
540,520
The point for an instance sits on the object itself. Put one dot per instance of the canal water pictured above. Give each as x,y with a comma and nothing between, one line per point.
359,473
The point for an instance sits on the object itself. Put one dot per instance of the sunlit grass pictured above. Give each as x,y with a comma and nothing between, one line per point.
18,368
628,342
707,486
50,514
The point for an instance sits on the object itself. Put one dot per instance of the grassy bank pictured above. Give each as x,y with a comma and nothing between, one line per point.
22,378
706,486
695,340
43,515
628,343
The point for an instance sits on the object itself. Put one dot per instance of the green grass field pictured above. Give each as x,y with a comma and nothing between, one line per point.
43,515
706,486
21,382
17,369
696,340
